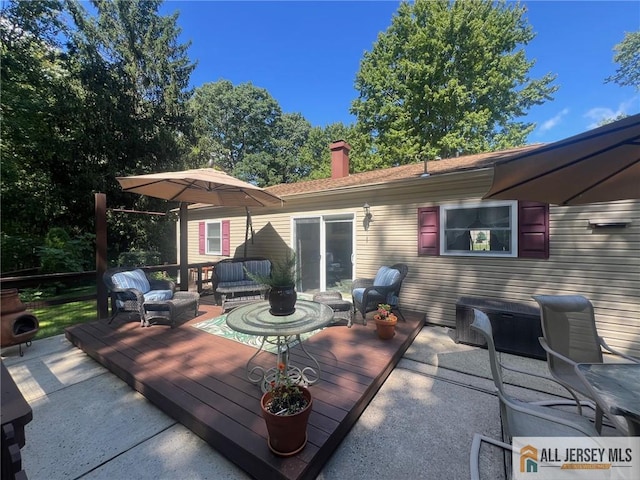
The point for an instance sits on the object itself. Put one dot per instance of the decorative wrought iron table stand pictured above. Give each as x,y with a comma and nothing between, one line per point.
284,333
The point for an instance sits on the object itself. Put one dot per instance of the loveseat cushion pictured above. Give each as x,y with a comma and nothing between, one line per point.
158,295
257,267
229,272
131,279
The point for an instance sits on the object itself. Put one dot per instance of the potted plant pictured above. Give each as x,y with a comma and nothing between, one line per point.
286,407
282,284
385,321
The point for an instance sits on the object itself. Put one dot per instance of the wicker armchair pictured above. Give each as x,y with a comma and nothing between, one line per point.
129,289
367,293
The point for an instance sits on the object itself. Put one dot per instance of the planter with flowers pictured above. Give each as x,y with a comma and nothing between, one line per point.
385,321
286,408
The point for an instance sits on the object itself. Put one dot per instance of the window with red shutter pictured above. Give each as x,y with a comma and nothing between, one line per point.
485,229
212,237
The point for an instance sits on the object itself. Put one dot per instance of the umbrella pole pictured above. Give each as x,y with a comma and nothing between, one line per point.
246,231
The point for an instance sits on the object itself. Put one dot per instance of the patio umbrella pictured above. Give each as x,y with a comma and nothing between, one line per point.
600,165
203,185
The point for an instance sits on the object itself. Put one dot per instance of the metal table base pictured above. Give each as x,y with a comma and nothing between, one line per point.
284,333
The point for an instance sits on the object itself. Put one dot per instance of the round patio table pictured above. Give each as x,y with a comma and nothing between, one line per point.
284,333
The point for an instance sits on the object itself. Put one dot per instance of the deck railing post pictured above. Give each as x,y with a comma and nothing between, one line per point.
101,254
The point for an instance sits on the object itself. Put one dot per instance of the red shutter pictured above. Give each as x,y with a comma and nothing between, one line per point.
202,238
226,237
428,231
533,230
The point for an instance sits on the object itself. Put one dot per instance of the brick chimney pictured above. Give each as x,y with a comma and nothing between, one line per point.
339,159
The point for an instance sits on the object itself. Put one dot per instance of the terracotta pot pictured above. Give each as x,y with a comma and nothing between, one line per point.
287,433
387,328
282,300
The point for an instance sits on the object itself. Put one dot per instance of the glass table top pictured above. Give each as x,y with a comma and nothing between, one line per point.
255,319
617,384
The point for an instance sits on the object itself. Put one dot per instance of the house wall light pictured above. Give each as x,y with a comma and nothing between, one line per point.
368,217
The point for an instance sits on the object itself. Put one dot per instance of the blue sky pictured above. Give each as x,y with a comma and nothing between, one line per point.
306,54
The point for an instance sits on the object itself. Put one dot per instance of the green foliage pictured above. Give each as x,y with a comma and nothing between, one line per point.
35,294
138,258
62,253
280,161
628,57
231,122
316,155
56,238
242,130
283,272
82,105
18,252
448,78
57,260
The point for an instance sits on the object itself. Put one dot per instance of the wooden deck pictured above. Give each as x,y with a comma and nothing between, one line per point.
200,380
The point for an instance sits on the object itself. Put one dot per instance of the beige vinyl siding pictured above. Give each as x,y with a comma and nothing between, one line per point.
602,264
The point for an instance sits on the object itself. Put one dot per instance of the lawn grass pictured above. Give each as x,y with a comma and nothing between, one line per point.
53,320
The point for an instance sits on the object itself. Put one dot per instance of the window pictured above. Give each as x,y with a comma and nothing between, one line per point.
479,229
214,238
506,229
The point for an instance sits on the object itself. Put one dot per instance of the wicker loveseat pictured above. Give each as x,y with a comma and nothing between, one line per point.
235,288
132,291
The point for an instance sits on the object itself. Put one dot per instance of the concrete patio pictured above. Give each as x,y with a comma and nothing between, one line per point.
89,424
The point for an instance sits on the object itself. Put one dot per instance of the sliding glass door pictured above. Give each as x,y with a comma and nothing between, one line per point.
324,248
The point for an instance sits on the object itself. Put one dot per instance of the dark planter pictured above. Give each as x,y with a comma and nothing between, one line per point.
287,433
282,300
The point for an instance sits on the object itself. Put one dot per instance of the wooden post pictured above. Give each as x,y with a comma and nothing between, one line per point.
101,254
184,246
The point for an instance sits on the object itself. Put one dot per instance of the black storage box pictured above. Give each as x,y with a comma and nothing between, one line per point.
516,326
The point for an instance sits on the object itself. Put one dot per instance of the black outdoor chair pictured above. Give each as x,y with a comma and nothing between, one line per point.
368,293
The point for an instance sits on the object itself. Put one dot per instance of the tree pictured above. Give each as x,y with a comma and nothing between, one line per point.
86,98
37,103
628,57
231,122
242,130
280,160
448,78
316,154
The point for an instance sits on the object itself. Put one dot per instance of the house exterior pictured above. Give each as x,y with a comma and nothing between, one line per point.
431,216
